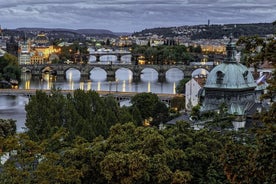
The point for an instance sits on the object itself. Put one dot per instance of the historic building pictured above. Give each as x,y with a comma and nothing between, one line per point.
24,56
37,51
230,84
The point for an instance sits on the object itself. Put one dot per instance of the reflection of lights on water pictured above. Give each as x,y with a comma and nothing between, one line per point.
27,84
99,86
70,76
88,85
174,88
71,85
148,86
124,86
129,76
48,84
81,85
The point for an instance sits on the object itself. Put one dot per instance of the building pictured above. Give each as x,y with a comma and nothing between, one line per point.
231,84
192,89
24,56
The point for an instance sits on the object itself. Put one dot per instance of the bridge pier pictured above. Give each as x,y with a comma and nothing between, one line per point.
60,78
136,77
97,57
35,73
110,74
161,74
119,58
84,77
161,77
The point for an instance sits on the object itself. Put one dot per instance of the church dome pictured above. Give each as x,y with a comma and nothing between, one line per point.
41,39
230,74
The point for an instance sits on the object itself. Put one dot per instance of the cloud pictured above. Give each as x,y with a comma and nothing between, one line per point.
132,15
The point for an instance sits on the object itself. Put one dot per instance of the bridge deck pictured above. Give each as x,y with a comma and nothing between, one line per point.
30,92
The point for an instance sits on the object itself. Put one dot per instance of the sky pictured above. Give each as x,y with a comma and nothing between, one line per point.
132,15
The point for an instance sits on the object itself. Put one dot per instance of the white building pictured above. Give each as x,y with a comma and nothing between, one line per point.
24,56
192,93
2,52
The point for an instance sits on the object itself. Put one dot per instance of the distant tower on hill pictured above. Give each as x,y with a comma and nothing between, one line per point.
208,22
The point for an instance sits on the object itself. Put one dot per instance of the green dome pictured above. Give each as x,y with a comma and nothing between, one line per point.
230,75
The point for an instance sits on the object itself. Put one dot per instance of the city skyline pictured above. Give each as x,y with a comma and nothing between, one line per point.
132,15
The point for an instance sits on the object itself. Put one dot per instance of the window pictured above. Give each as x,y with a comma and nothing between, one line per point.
220,76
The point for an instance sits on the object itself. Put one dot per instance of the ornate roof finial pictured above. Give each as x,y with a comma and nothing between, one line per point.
231,50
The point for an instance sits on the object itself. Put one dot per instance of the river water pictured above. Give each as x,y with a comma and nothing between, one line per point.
13,107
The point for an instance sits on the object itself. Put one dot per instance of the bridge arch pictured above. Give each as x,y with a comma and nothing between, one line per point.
98,73
72,74
175,73
26,70
126,58
47,69
127,74
108,58
200,71
69,68
149,74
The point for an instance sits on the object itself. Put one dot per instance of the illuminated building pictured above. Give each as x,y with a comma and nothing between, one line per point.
24,56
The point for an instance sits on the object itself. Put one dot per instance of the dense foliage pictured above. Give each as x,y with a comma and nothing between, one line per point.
83,138
159,55
9,69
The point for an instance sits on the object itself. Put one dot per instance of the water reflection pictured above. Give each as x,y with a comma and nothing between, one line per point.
123,74
111,58
13,107
149,74
98,74
174,74
98,81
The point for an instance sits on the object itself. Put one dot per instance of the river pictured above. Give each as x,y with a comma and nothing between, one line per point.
12,107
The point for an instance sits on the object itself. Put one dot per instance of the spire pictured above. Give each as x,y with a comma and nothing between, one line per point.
231,51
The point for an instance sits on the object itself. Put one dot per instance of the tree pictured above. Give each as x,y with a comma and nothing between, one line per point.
149,106
141,155
181,86
178,102
83,114
9,68
251,56
7,127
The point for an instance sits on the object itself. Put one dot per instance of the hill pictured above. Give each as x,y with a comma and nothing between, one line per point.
212,31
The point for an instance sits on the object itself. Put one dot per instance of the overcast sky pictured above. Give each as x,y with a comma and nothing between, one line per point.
132,15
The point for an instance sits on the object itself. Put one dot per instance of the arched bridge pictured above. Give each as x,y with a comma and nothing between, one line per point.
117,53
110,69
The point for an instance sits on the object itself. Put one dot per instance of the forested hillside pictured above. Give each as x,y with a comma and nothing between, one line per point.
212,31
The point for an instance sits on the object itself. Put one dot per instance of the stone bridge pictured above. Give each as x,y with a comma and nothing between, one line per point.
110,69
117,53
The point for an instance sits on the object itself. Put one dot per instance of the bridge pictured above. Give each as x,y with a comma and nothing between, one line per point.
110,69
117,53
120,96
